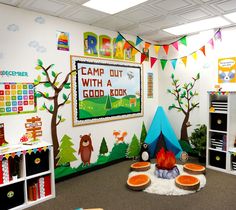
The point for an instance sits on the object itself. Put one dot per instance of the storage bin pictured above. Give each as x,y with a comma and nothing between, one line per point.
217,159
11,195
218,122
37,162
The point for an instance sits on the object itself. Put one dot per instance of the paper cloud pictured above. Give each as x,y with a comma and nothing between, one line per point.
33,44
13,28
39,20
41,49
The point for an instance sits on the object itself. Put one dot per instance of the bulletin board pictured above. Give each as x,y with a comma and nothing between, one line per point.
17,98
105,90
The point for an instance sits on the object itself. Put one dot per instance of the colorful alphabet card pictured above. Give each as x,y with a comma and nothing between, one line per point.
17,98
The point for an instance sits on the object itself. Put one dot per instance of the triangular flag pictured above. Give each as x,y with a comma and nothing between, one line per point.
176,45
218,35
143,56
184,60
134,51
194,54
163,63
183,40
203,50
166,48
157,48
173,62
138,40
147,45
119,38
126,45
153,61
211,42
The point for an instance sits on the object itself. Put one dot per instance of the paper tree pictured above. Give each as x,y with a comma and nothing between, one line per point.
108,102
66,151
103,148
184,96
134,148
143,134
51,82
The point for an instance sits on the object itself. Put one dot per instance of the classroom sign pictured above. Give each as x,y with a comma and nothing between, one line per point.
104,90
227,70
106,47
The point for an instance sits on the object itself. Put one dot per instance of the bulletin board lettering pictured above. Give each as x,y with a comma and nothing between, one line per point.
104,90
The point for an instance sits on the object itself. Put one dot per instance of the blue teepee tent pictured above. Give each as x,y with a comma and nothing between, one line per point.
161,125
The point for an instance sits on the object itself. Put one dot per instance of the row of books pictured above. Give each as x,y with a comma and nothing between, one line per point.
219,143
39,188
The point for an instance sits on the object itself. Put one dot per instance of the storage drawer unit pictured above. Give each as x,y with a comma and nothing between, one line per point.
218,121
12,195
217,159
37,162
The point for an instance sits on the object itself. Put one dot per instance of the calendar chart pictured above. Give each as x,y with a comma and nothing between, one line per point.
17,98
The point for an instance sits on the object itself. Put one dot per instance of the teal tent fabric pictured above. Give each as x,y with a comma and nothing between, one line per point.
160,124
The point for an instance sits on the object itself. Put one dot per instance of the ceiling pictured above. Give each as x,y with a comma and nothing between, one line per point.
145,20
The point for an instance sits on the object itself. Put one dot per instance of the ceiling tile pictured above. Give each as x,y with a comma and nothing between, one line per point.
11,2
156,36
195,15
46,6
113,23
171,5
84,15
227,5
137,15
137,29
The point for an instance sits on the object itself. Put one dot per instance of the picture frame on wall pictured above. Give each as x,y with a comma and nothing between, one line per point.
105,90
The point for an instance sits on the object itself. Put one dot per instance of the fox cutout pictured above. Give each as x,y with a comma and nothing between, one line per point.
119,136
227,76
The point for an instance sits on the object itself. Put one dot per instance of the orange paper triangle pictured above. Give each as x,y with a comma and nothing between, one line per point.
166,48
134,51
147,45
203,50
126,45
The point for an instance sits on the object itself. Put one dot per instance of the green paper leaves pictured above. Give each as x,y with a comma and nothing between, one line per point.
67,86
54,74
47,84
64,96
40,63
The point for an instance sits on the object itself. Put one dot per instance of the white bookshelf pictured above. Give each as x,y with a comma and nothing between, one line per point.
221,131
40,154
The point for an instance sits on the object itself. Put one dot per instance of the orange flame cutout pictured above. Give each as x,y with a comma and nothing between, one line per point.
165,160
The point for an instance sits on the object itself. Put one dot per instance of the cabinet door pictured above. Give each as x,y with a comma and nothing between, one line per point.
217,159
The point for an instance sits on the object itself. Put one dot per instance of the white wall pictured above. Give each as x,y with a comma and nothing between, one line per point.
207,66
17,55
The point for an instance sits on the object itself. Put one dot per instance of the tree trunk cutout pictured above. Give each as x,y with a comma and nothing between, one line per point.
52,82
184,95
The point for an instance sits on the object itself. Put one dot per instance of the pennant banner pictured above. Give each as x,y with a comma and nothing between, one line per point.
184,60
203,50
166,48
119,38
138,41
126,45
163,64
194,55
156,48
143,56
173,62
183,41
211,42
218,35
153,61
176,45
147,45
134,51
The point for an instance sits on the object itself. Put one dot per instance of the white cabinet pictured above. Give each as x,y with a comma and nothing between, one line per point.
221,131
26,175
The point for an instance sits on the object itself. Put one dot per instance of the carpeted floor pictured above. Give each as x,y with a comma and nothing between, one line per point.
106,188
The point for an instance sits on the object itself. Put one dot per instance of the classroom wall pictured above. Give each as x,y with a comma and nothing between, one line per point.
207,66
18,29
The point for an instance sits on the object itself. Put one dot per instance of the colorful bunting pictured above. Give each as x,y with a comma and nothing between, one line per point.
7,155
184,60
147,45
166,48
163,63
218,35
35,150
24,152
176,45
13,154
153,61
40,149
138,40
143,56
119,38
183,40
44,148
126,45
194,55
134,51
30,151
157,48
19,153
203,50
173,62
211,42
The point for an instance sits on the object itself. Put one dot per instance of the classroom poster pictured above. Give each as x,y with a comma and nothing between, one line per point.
226,70
104,90
63,41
